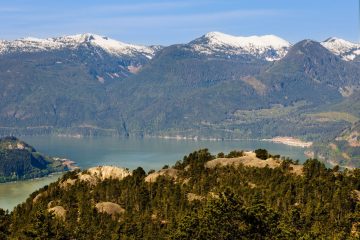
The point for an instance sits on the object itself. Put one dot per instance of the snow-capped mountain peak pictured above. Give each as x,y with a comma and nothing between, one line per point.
268,47
345,49
109,45
31,44
32,39
261,41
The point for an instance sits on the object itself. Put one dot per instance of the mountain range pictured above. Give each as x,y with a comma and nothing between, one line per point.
217,86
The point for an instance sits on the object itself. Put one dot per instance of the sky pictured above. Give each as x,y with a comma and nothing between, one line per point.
180,21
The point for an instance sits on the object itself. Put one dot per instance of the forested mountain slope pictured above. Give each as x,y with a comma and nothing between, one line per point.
63,83
217,86
186,92
19,161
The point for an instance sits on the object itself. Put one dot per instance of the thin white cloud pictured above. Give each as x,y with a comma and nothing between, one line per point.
159,6
80,18
11,10
196,18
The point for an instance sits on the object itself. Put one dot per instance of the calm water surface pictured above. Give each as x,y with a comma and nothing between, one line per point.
129,153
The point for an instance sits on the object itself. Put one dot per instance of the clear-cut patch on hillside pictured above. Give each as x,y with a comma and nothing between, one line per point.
257,85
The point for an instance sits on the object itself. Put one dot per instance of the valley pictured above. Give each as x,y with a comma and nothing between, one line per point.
217,86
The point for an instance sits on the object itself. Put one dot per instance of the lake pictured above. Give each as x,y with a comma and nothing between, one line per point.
149,153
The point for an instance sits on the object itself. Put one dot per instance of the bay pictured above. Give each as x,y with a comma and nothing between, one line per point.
149,153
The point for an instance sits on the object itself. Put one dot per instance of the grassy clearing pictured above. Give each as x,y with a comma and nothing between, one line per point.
333,117
274,112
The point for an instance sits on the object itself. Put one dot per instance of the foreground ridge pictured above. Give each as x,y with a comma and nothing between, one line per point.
201,197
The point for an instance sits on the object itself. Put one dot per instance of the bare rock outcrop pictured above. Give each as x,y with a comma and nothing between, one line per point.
58,211
355,194
194,197
250,160
40,195
170,172
110,208
96,174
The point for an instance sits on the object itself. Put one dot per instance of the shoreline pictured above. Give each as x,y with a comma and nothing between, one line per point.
69,164
50,175
290,141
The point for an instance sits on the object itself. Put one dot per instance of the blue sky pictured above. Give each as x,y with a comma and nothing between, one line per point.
179,21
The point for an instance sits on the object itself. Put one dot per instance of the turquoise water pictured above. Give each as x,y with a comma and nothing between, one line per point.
148,153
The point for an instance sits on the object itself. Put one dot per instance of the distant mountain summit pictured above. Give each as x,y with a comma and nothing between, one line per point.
348,51
312,72
267,47
109,45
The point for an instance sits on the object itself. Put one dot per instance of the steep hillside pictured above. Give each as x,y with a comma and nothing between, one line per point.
63,83
183,91
179,89
19,161
343,150
312,72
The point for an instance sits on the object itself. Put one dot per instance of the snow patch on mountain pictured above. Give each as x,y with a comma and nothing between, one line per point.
109,45
345,49
28,45
268,47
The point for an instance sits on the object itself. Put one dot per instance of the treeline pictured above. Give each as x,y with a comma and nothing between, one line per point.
198,203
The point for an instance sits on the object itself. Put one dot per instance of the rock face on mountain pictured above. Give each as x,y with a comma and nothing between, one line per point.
214,86
110,208
95,175
169,172
18,161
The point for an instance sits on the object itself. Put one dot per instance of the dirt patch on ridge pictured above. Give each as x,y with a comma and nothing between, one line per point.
250,160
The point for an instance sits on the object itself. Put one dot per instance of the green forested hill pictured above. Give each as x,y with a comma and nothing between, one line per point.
196,199
344,149
182,93
18,161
